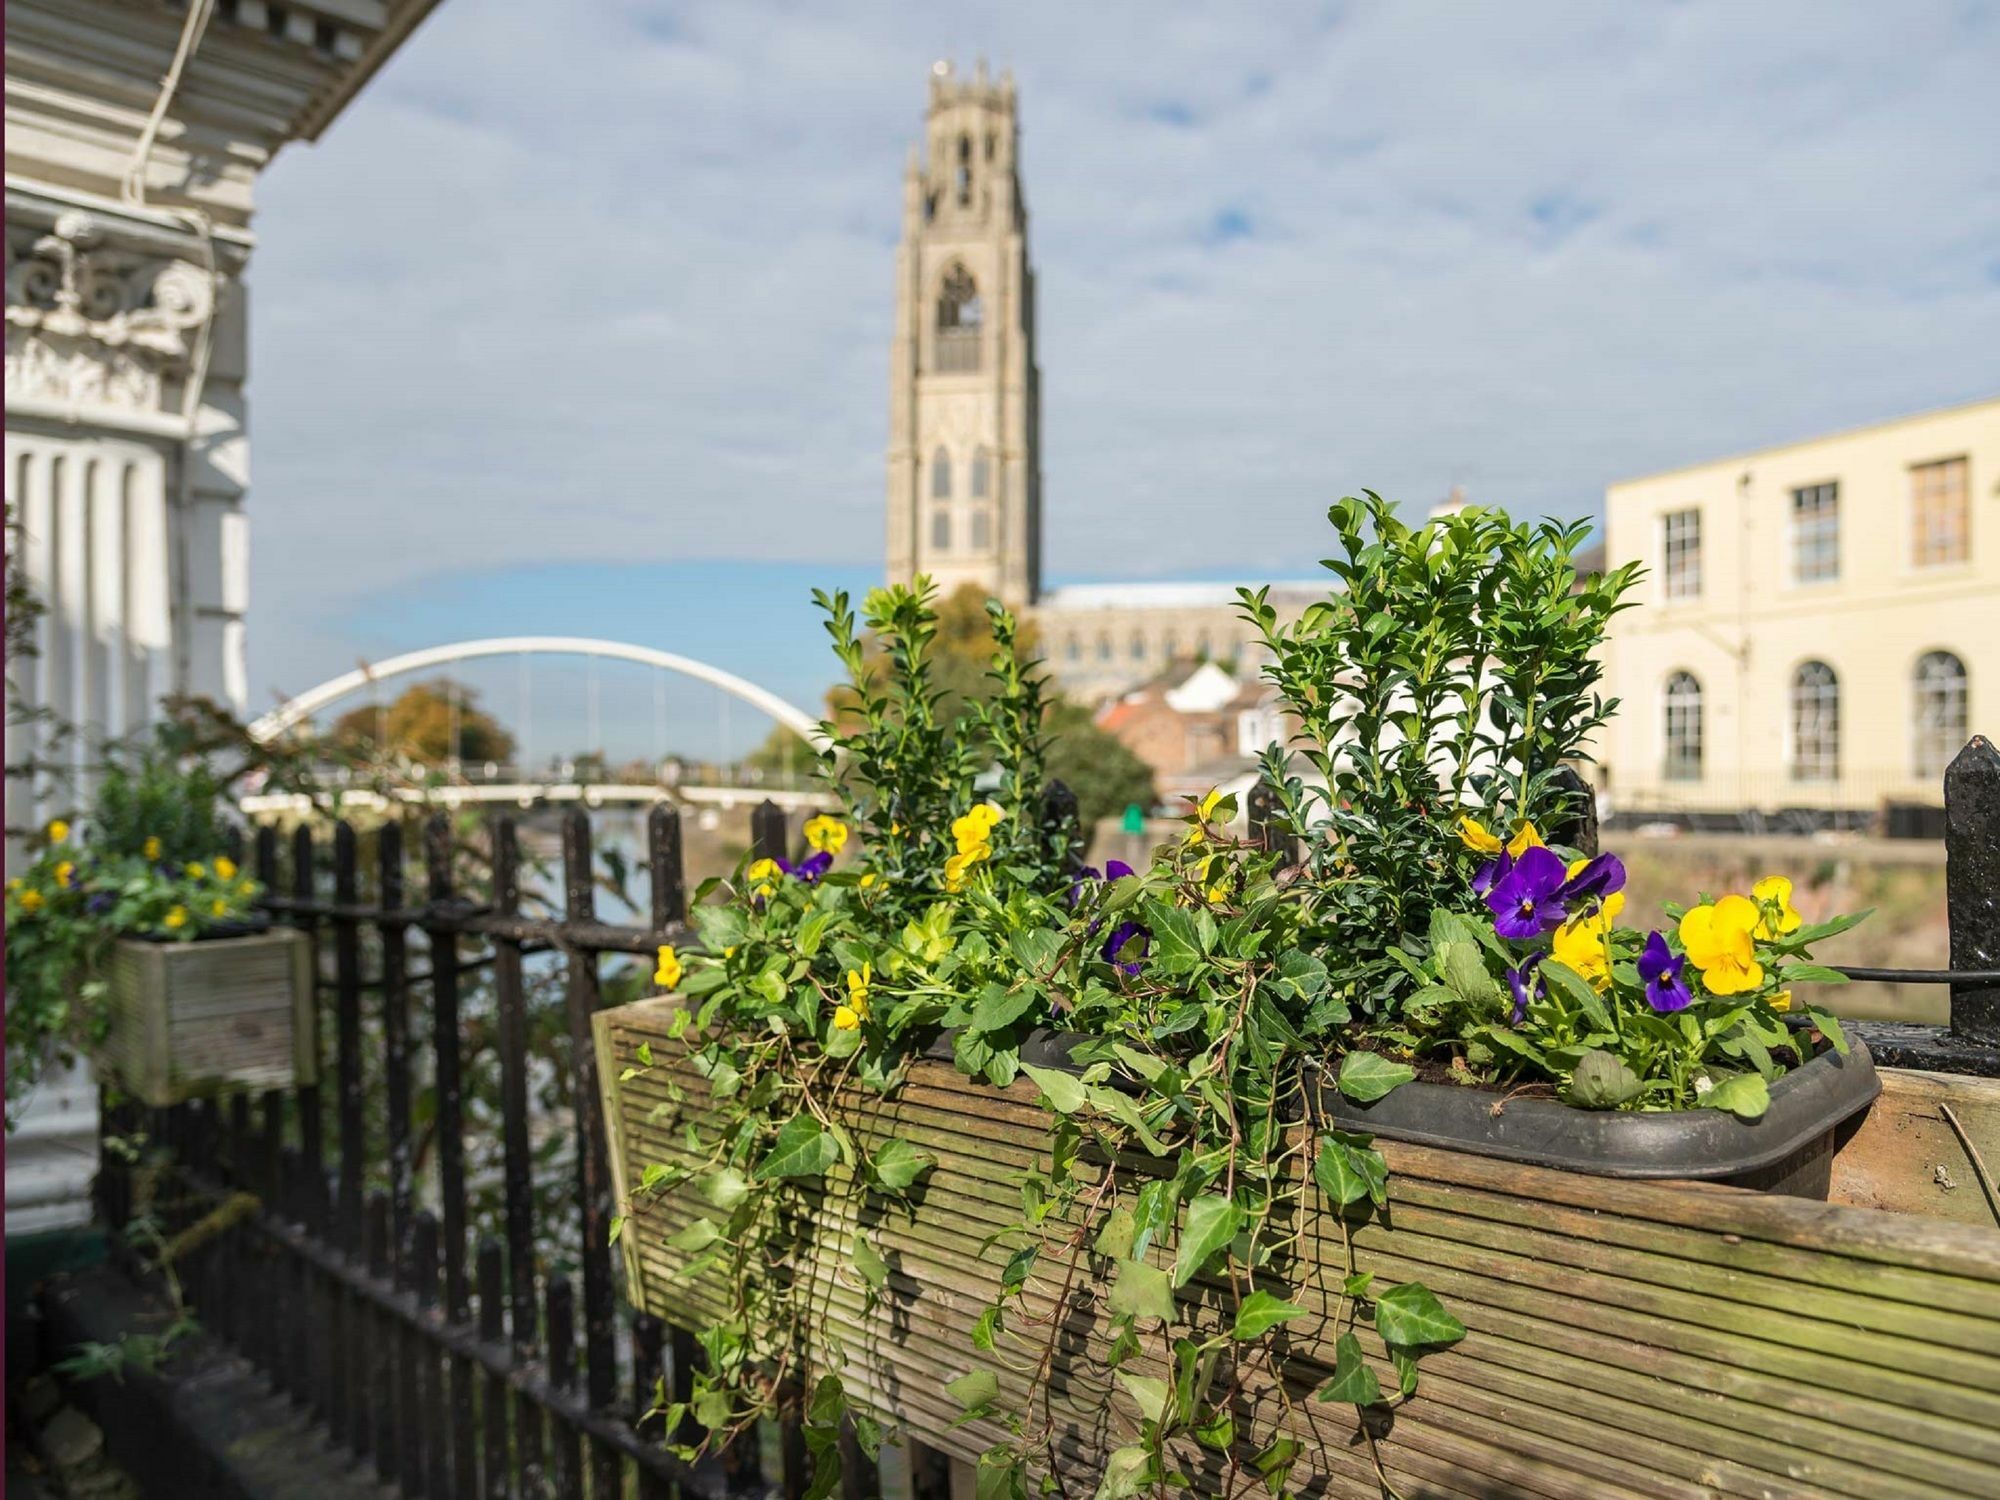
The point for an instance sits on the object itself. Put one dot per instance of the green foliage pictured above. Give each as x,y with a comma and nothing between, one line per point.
148,863
1214,1003
1453,670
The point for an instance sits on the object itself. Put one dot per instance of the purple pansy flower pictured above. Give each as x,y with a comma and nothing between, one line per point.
1527,985
1596,880
1088,875
1128,937
1528,901
100,902
1660,967
1116,869
808,869
1492,873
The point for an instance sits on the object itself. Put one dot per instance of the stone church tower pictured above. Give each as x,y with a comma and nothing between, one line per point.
965,483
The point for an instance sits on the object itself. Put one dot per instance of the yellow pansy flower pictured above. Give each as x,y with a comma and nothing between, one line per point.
959,866
65,873
196,870
857,988
176,916
974,831
729,952
846,1018
1583,943
31,901
1774,893
218,907
869,879
668,975
826,835
247,889
1475,836
58,830
1472,833
1718,942
151,848
225,868
1215,879
761,874
1782,1000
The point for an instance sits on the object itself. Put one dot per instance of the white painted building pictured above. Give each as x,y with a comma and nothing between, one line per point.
135,134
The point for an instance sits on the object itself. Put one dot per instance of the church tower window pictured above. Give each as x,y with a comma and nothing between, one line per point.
982,528
963,176
982,464
941,529
940,475
959,316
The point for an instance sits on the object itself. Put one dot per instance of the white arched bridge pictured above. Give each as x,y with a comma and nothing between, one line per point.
512,785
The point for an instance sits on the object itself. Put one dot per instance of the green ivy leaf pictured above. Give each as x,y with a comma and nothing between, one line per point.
802,1149
1149,1392
1347,1174
1367,1076
1061,1090
1410,1316
725,1188
617,1228
1351,1380
988,1328
1260,1312
1127,1472
868,1261
1143,1291
1177,939
1212,1222
897,1164
695,1237
1115,1239
973,1391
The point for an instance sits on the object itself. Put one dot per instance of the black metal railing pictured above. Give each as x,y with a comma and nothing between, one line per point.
461,1360
451,1348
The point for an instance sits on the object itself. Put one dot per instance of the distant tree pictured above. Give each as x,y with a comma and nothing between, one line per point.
418,725
1093,763
783,752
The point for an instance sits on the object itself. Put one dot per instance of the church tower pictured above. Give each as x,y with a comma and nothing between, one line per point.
965,483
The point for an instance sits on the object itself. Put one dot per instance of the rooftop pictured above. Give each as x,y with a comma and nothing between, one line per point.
1168,595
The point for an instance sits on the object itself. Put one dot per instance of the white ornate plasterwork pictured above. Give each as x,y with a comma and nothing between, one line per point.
93,324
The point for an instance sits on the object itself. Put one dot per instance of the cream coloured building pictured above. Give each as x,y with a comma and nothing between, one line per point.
1820,622
964,461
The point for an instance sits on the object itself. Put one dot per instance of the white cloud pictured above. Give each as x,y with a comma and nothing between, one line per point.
613,281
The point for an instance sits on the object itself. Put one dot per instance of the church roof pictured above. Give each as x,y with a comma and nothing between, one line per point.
1165,595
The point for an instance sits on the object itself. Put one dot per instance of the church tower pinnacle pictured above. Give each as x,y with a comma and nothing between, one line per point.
965,486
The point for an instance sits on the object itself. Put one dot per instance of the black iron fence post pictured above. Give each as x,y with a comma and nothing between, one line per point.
1972,886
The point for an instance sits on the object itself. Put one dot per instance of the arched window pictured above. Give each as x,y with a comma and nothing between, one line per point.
1815,723
982,466
1170,646
982,528
963,177
1073,648
959,317
1683,726
941,529
1939,720
1104,648
1138,645
940,475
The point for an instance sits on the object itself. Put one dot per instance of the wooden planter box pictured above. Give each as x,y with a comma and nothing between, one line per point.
208,1017
1625,1339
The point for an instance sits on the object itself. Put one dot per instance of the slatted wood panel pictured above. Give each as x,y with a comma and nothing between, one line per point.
1626,1339
189,1019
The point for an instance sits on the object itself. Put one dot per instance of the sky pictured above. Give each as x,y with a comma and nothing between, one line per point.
577,320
